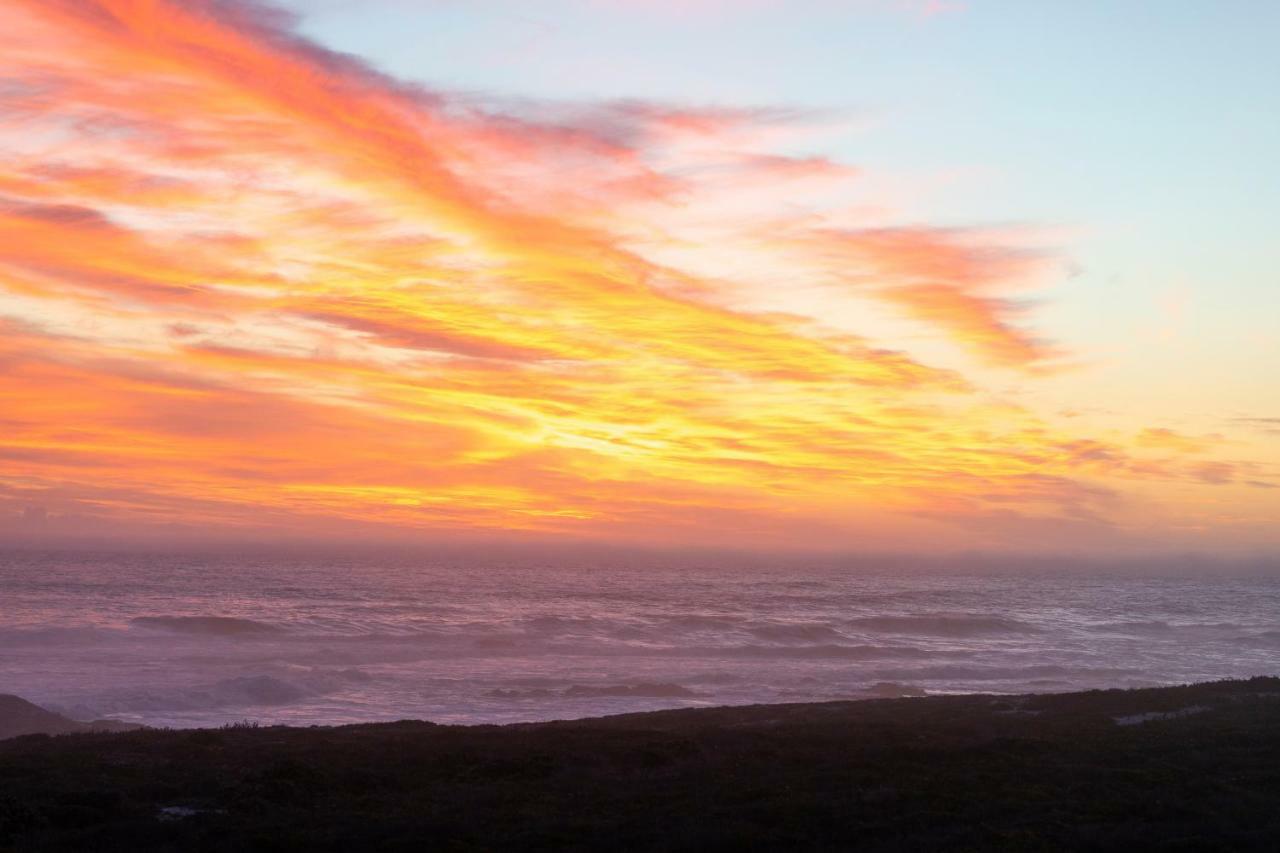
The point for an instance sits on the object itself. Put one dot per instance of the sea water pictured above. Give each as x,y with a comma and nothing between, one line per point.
209,640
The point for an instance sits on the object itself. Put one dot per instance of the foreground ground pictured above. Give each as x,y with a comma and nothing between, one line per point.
1183,768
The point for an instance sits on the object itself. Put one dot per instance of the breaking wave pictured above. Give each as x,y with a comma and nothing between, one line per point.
219,626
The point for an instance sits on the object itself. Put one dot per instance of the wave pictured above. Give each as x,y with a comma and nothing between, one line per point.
220,626
583,627
1163,628
260,690
894,690
645,690
700,622
47,637
822,651
642,690
1262,638
943,626
796,633
245,691
959,673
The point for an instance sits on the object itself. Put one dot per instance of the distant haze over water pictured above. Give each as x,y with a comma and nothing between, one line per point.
206,640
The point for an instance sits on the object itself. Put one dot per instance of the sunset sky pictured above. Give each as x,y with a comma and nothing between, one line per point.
815,274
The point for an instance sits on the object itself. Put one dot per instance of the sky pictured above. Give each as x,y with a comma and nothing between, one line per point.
871,275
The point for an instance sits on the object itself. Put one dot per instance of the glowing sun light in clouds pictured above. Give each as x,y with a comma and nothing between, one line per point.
247,284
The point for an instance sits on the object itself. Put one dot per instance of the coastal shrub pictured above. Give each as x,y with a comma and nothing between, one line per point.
17,817
896,774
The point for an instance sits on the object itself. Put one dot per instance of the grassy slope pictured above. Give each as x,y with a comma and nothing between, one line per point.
974,772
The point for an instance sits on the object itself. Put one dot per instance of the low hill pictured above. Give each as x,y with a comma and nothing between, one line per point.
20,717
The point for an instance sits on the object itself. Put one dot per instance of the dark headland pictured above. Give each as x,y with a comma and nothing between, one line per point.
1175,768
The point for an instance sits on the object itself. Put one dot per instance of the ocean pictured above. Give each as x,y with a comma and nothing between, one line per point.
210,640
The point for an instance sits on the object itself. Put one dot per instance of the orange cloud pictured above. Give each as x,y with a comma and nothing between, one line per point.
1167,439
248,283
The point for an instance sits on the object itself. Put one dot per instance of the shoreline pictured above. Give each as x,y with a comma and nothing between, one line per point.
43,721
57,723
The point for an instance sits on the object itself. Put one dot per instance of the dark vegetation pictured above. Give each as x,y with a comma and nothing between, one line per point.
952,773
